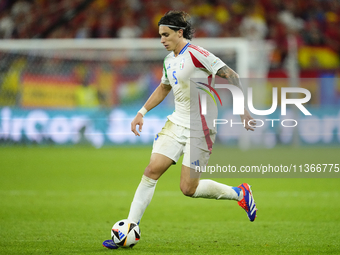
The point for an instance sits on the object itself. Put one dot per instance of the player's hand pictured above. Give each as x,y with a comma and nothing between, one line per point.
249,121
138,120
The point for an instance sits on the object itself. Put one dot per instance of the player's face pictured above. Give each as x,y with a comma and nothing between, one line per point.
170,38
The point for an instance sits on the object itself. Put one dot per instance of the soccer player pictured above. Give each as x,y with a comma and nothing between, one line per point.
186,128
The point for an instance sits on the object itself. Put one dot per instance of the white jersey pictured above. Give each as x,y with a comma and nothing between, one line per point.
197,64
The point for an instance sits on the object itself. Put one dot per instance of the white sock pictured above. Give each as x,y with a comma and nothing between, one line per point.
142,198
212,189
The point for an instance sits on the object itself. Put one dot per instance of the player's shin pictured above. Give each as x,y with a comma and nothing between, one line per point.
212,189
142,198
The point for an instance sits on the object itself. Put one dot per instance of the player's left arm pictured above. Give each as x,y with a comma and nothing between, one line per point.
233,78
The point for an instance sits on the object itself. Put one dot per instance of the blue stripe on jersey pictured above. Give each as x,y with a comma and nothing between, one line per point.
184,48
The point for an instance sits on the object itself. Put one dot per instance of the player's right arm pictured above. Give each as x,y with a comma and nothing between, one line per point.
155,99
227,73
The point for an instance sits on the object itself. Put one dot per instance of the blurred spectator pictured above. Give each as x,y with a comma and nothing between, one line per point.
6,25
104,28
85,29
332,31
316,21
209,27
129,29
288,18
313,35
253,25
87,95
20,7
222,15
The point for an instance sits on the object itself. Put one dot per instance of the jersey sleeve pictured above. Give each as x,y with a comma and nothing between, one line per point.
206,58
165,79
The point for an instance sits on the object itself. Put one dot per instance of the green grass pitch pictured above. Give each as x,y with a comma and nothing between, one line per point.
65,200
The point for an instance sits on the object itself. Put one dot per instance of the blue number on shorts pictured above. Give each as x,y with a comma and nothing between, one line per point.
173,75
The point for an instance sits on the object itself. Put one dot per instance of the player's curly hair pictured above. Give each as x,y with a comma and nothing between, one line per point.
178,19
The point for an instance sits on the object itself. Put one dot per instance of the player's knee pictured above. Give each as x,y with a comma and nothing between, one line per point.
188,190
152,172
149,171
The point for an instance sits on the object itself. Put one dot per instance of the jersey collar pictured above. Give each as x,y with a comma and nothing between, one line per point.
184,49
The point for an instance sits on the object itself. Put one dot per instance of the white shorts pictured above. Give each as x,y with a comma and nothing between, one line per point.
174,141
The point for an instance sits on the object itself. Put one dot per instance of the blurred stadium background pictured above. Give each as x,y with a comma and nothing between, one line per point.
75,72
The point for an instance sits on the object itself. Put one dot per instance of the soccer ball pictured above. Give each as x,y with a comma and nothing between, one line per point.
125,233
